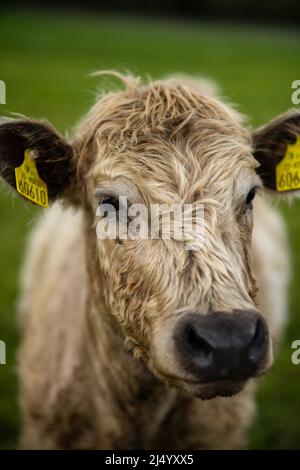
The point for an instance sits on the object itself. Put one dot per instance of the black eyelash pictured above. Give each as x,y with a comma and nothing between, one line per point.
251,195
111,201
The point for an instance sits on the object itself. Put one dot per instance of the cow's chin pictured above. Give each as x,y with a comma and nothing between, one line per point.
208,391
204,391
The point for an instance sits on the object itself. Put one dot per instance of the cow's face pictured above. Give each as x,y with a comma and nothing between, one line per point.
185,306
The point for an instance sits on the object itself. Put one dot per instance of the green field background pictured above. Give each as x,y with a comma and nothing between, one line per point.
46,59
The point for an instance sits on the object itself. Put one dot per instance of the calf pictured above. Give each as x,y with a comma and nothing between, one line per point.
150,343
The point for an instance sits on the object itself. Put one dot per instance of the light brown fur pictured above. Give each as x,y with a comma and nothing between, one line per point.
96,370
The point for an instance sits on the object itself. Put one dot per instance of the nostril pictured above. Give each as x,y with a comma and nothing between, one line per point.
257,342
201,350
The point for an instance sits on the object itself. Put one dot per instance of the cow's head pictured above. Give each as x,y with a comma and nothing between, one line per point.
190,314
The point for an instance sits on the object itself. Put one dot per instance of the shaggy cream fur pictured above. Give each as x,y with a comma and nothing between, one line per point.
95,364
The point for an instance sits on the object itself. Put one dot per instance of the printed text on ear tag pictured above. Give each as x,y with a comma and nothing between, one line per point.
28,182
288,170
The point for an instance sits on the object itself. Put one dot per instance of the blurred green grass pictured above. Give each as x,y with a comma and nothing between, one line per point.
45,62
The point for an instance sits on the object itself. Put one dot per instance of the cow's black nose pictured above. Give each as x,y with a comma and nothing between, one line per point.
222,346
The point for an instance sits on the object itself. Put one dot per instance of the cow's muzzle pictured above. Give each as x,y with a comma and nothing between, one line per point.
222,347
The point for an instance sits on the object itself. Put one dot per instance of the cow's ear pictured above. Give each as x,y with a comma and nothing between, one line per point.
52,155
276,147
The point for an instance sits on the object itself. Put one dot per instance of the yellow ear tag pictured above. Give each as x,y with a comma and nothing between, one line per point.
288,170
28,182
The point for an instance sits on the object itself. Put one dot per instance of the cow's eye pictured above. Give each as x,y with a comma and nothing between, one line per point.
112,201
250,196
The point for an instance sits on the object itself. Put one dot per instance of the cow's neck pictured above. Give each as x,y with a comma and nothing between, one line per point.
131,404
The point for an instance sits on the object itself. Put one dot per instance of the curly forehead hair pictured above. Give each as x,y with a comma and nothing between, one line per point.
140,114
